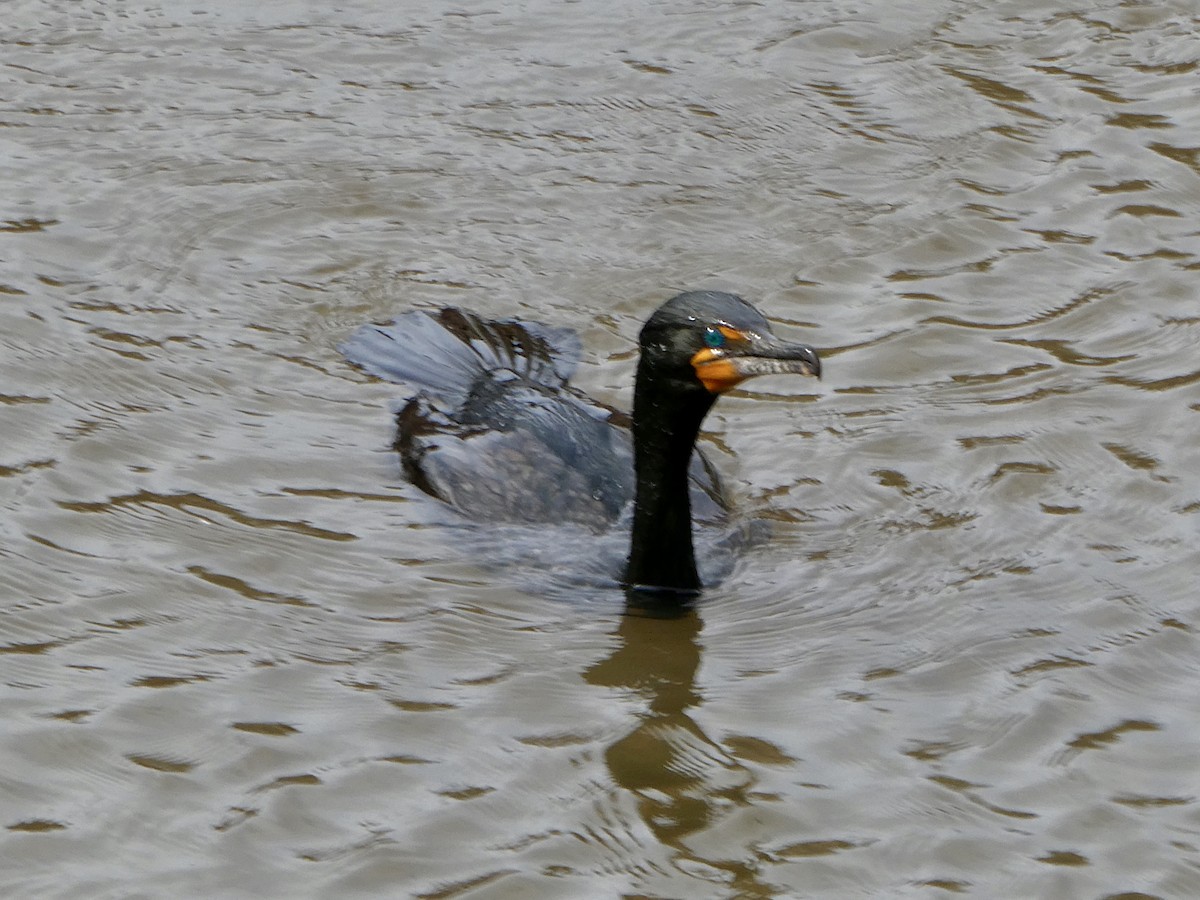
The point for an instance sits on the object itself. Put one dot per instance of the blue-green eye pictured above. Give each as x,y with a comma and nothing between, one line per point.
713,337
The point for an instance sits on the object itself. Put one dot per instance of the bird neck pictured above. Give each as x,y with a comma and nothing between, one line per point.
665,425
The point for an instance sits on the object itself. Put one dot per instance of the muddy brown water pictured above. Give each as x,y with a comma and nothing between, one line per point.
240,657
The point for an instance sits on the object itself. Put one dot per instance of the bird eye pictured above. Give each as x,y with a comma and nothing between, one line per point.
713,337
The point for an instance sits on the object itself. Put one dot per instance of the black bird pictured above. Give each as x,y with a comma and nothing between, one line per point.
496,431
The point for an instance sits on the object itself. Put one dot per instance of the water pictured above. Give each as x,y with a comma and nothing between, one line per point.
241,657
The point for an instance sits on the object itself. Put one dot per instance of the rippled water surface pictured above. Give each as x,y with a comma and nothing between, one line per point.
240,657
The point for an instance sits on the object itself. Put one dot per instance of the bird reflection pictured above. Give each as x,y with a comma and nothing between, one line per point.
682,779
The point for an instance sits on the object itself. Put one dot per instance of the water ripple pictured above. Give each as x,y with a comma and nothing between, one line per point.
963,658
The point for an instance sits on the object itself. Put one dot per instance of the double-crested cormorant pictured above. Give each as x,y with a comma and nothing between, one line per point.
495,430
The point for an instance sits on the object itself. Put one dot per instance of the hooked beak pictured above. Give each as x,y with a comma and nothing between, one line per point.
722,368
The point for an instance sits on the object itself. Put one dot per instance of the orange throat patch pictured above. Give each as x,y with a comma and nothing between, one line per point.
717,372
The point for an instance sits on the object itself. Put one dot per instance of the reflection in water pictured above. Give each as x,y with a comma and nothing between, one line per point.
681,777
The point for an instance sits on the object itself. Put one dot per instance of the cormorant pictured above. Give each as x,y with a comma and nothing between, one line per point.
496,431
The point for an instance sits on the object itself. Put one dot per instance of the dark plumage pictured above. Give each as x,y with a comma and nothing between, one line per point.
496,431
